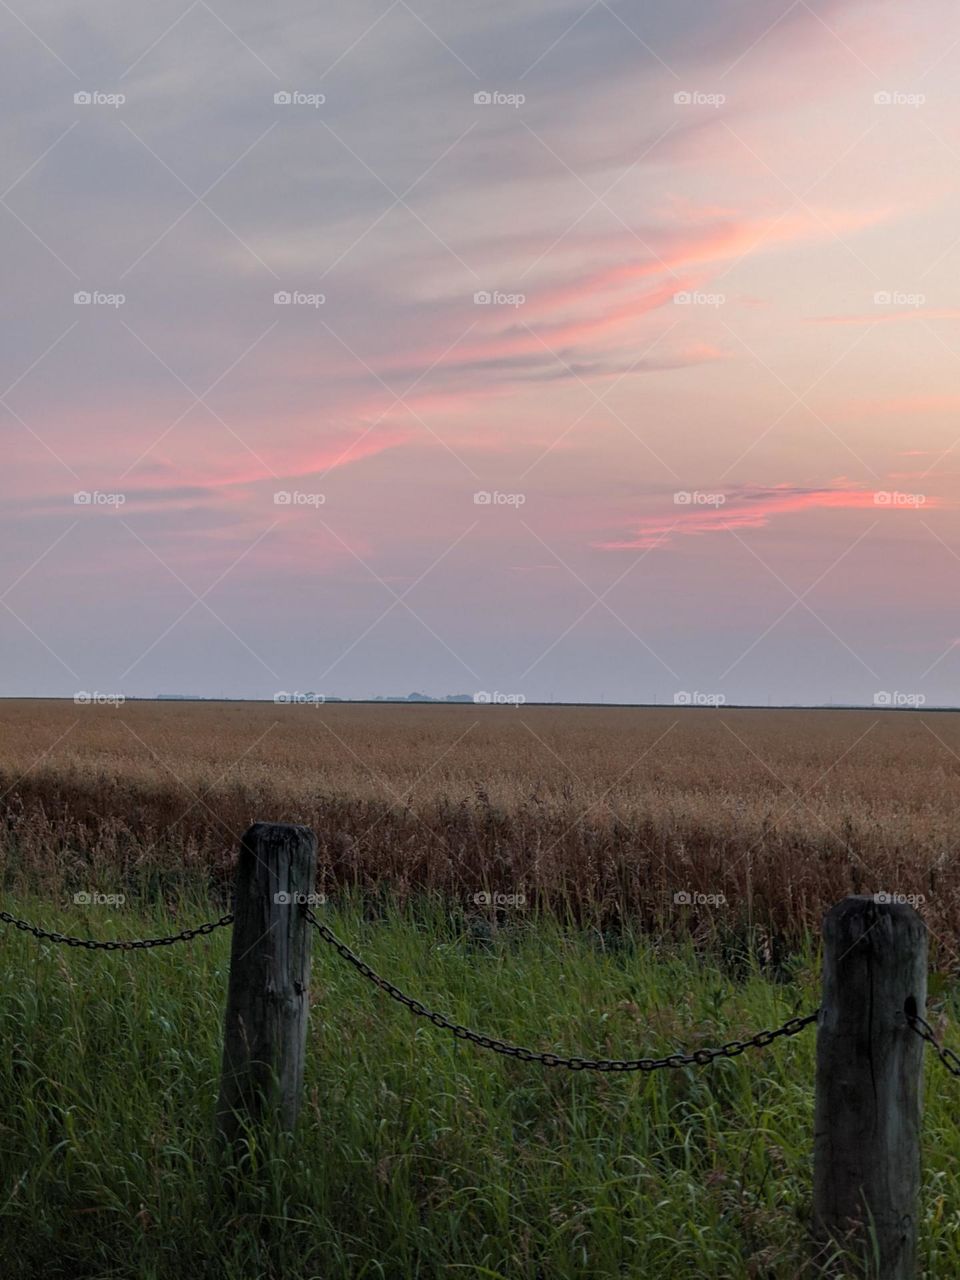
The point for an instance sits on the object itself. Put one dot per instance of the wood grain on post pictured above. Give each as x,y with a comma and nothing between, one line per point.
869,1084
265,1027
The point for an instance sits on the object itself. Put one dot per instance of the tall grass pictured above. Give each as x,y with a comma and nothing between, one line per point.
599,815
416,1155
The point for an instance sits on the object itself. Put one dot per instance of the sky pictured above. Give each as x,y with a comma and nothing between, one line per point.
549,350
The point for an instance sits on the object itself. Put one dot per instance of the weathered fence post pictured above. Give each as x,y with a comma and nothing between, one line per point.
869,1083
267,1000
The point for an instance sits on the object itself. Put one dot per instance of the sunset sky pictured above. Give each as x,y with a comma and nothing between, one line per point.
714,398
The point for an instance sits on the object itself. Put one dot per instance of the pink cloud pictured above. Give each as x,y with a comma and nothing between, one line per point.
749,508
300,462
712,241
603,302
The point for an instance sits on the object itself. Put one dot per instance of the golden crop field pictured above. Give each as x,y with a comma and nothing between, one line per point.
596,811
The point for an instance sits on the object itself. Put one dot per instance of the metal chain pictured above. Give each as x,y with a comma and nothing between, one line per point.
699,1057
136,945
924,1030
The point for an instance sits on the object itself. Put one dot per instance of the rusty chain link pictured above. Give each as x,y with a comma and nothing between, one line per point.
699,1057
138,944
924,1030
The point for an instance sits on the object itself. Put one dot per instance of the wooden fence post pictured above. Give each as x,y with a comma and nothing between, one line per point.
265,1027
869,1083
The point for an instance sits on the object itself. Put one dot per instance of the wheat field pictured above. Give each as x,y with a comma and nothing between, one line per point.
414,1150
768,815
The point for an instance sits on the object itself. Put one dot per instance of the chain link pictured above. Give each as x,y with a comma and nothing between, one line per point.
699,1057
924,1030
138,944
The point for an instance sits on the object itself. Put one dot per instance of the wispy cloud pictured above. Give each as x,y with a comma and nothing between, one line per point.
750,507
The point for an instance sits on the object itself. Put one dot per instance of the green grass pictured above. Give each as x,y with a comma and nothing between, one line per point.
416,1155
